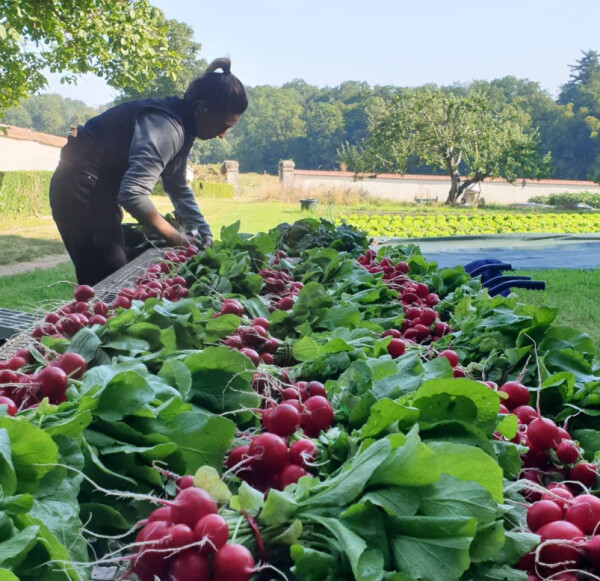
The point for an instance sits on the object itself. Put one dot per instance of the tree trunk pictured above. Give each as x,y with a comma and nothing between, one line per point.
454,188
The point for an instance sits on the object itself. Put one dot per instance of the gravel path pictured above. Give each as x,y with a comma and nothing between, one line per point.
49,261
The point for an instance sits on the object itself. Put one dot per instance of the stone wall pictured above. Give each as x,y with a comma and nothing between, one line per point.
409,188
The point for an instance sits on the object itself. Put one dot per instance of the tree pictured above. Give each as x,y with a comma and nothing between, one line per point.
120,40
585,74
180,39
458,134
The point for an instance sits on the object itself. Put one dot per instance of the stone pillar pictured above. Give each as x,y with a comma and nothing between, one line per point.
286,172
231,170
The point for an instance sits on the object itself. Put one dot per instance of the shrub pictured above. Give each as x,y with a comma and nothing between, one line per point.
568,200
212,190
24,193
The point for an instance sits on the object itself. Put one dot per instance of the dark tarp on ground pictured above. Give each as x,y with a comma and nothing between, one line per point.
523,251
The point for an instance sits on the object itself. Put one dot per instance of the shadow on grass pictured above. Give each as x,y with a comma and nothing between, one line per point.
15,248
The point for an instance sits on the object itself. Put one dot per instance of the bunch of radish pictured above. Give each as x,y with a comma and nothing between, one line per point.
396,277
253,340
23,387
186,540
267,462
279,286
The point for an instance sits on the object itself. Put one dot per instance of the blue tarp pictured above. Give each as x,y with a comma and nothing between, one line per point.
523,251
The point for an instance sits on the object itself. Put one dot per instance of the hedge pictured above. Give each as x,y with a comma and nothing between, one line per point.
203,189
24,193
568,200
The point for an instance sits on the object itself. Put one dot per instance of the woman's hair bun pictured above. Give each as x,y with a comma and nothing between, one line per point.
223,63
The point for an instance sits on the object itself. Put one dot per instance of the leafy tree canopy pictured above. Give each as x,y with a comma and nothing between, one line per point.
457,134
123,41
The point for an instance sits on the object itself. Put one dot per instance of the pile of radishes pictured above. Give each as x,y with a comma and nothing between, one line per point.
252,340
274,459
186,540
268,462
279,286
23,385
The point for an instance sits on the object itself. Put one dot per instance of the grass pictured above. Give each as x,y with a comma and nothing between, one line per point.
41,289
574,292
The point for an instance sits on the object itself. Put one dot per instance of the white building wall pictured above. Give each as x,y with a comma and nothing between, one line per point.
16,155
402,189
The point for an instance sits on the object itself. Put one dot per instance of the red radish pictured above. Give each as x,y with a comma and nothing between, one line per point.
160,514
101,308
122,302
451,356
70,324
584,513
518,394
566,553
291,474
15,363
267,359
559,495
52,318
295,403
233,563
184,482
236,456
11,407
24,354
214,531
568,452
81,307
318,415
97,320
261,322
284,420
272,345
394,333
428,317
541,513
234,342
73,364
285,304
269,452
53,383
542,433
413,312
251,354
233,307
396,348
84,292
592,551
188,565
8,376
442,329
303,453
179,535
316,388
585,473
525,413
290,393
190,505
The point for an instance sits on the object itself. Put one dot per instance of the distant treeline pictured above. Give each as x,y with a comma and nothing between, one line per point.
308,124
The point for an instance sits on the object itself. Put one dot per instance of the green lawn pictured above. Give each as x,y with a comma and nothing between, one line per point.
574,292
39,290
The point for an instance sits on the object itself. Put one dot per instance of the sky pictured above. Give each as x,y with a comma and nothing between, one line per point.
382,42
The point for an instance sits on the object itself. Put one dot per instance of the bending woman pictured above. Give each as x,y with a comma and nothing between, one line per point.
117,157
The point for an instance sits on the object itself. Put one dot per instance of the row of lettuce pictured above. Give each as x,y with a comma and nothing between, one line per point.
411,482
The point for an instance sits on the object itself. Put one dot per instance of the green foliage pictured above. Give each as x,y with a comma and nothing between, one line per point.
212,190
454,134
24,193
119,40
49,113
469,224
568,199
180,39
